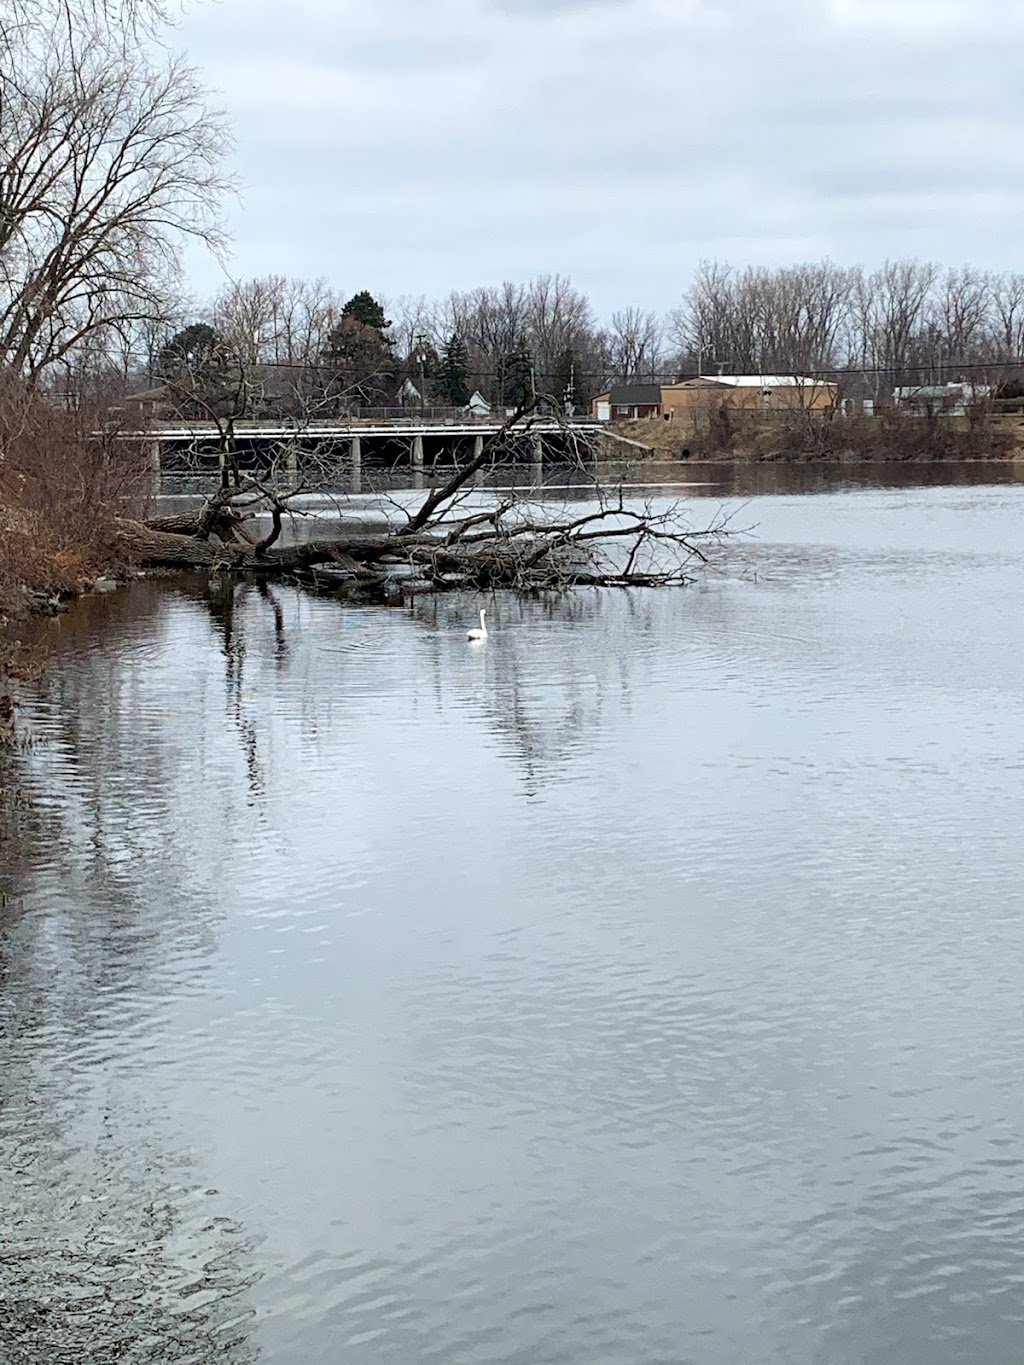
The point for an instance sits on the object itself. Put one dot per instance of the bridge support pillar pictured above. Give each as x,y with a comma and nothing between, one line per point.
416,459
355,464
153,456
538,450
478,446
291,461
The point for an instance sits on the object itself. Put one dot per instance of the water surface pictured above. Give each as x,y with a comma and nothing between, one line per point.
641,987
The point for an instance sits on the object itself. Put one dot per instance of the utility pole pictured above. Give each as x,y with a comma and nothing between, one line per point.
421,357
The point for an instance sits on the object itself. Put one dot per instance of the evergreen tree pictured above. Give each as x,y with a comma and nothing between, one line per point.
515,376
360,352
194,365
452,380
364,308
197,347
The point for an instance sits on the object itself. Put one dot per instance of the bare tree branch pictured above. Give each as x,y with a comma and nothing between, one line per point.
110,161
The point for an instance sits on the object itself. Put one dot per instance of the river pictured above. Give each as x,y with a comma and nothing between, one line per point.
641,988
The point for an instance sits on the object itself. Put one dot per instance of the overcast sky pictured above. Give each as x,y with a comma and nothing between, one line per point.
414,146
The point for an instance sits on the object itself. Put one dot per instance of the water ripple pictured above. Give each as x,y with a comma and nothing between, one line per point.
642,987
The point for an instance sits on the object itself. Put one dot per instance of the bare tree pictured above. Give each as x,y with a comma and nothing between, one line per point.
211,379
962,316
308,314
810,308
893,304
492,323
110,161
247,314
559,330
706,326
127,17
635,341
1007,300
415,320
757,320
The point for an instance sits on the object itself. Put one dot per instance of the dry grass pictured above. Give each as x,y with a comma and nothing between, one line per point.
799,436
61,486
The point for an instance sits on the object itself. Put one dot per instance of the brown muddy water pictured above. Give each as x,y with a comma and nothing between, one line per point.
641,988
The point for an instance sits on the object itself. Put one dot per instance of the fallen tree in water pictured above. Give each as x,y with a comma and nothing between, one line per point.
448,540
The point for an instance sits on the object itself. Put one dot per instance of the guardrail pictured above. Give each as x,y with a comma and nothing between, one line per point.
284,430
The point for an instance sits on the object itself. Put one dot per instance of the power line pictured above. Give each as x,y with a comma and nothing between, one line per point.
673,376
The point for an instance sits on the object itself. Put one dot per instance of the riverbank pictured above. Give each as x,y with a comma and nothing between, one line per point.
802,438
58,534
62,489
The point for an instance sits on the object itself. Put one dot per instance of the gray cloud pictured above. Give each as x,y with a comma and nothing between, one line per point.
415,145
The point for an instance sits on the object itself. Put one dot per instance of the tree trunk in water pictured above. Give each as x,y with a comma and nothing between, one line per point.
158,548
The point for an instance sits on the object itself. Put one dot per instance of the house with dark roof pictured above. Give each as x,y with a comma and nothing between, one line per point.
623,402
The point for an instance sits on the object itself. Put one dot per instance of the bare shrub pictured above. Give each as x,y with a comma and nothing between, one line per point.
64,478
891,435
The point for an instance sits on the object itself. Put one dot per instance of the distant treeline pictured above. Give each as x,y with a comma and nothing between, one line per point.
907,322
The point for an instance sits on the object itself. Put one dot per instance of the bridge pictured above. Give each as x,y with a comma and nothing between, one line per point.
346,445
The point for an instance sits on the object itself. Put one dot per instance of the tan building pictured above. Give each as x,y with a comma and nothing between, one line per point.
694,399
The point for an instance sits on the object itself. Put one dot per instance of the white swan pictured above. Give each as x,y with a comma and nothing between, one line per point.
480,634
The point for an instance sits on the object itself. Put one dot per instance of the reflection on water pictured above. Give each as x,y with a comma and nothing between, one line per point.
642,986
